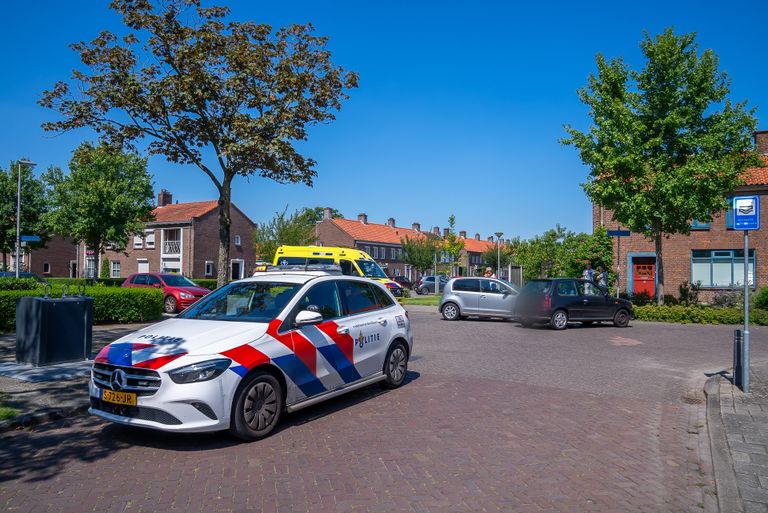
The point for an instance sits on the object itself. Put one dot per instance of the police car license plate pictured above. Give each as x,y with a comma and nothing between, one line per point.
125,398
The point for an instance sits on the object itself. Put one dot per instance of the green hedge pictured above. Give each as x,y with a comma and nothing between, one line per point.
699,314
208,283
110,304
72,283
20,284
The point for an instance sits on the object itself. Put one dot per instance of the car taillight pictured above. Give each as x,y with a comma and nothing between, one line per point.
547,302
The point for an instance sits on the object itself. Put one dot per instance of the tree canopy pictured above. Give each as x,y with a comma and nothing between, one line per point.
296,229
666,144
106,197
34,204
452,244
420,252
230,98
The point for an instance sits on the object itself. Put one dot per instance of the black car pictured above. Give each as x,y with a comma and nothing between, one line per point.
402,281
558,301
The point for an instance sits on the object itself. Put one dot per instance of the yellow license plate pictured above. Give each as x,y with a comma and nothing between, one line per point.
125,398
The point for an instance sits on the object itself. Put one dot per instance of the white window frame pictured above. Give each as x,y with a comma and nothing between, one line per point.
375,253
149,238
46,268
208,265
237,240
113,268
138,242
394,253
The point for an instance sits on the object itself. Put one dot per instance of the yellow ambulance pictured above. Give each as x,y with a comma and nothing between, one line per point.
353,262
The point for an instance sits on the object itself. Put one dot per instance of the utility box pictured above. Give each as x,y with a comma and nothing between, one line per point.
53,330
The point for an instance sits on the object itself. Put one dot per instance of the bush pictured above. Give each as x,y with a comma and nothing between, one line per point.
73,283
760,300
110,304
20,284
689,293
699,314
728,298
208,283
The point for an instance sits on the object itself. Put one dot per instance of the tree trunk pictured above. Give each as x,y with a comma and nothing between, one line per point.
225,222
659,270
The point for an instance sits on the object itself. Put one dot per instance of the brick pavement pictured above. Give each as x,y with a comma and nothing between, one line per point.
745,419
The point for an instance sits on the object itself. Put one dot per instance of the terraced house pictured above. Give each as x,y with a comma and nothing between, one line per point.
712,255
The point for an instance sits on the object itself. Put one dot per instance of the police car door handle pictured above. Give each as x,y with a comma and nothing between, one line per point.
342,330
382,321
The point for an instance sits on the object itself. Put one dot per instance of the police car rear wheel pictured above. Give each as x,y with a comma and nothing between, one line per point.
396,366
258,407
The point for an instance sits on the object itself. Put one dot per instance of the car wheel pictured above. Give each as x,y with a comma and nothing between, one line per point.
170,304
423,291
621,319
395,365
450,312
559,320
257,408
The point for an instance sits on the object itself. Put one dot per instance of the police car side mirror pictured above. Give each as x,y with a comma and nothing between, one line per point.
306,317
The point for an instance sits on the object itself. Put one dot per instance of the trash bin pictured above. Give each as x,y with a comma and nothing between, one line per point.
53,330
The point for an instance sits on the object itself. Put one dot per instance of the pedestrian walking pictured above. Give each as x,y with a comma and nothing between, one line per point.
588,273
602,279
489,273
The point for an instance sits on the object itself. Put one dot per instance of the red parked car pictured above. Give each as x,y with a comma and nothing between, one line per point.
180,292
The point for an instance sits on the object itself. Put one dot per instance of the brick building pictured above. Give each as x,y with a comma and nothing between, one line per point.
712,254
382,242
183,238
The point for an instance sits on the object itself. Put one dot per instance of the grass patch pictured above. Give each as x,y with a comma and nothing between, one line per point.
422,300
7,412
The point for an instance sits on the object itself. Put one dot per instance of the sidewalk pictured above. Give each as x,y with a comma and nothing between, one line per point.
744,435
41,394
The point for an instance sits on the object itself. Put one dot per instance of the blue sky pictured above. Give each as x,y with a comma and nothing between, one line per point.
459,110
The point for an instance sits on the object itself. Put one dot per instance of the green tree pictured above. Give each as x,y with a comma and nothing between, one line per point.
297,229
420,252
666,143
231,98
497,258
315,215
452,244
34,204
106,198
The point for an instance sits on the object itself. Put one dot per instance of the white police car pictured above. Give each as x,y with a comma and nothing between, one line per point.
247,352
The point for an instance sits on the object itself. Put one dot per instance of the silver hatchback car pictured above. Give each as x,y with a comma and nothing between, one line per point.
478,297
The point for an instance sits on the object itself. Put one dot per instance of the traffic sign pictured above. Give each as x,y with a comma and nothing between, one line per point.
30,238
746,213
618,233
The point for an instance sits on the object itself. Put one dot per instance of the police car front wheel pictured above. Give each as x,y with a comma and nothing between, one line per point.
258,407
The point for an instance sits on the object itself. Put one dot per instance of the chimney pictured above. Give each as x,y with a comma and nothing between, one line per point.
446,232
416,227
327,213
463,234
391,222
477,236
164,198
436,230
761,142
490,239
363,218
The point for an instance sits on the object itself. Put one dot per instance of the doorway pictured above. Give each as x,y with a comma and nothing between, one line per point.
644,275
236,270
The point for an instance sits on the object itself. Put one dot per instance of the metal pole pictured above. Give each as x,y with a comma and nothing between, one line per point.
18,219
745,353
498,258
618,265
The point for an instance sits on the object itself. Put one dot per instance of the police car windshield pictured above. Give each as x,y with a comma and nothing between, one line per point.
370,269
255,301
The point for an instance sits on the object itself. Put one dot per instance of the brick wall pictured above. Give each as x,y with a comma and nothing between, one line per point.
677,248
58,253
206,242
328,234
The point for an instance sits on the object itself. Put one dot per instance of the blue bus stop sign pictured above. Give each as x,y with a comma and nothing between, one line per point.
746,213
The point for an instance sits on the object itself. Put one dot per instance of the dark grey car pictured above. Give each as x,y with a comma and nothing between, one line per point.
426,284
479,297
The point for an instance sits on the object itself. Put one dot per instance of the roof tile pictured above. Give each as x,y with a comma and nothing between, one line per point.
757,175
183,211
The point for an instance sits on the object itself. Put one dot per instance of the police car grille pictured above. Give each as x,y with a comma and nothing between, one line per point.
142,382
135,412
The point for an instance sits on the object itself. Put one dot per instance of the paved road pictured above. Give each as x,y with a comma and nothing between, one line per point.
494,417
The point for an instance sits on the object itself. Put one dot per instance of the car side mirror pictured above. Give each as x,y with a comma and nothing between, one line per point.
307,317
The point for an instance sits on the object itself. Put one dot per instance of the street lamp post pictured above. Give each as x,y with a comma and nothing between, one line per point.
18,212
498,253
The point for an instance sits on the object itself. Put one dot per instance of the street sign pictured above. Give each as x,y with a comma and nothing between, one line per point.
618,233
30,238
746,213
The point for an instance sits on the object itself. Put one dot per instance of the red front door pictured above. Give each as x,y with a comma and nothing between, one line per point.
644,275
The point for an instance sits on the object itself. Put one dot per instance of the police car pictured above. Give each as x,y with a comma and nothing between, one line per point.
250,351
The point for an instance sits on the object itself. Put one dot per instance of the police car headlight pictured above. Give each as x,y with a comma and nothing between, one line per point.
201,371
186,295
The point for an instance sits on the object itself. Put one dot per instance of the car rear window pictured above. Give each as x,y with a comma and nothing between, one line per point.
537,287
467,285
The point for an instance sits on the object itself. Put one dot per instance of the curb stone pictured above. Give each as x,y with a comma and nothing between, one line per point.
728,498
42,416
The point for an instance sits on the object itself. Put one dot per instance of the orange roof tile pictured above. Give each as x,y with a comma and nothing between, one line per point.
478,246
372,232
183,211
757,175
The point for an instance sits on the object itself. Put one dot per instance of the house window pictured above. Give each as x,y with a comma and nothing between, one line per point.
90,267
699,225
375,253
46,268
208,268
237,240
368,249
721,268
115,269
138,242
393,252
149,238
